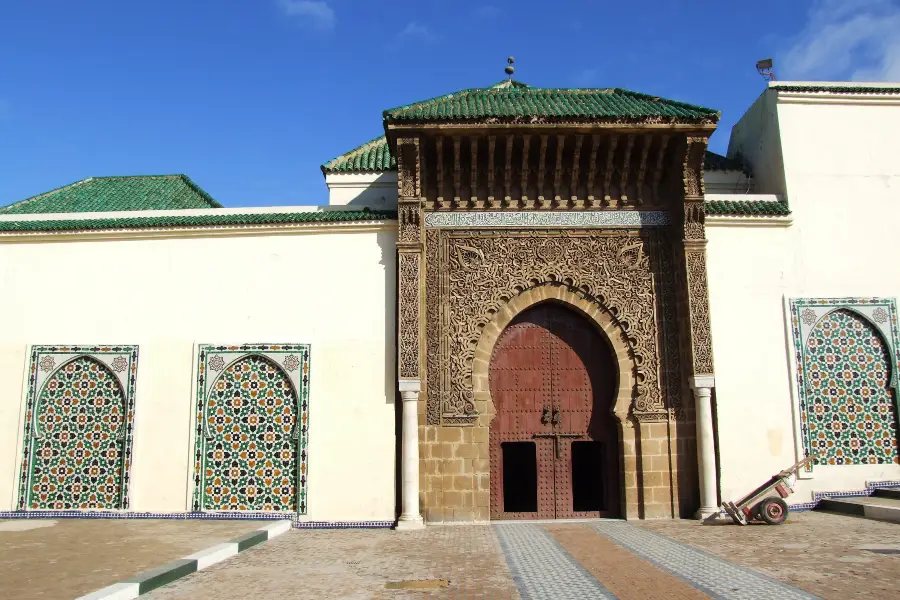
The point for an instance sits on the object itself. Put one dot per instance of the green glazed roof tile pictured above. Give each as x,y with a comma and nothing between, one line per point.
112,194
747,208
838,88
519,102
328,216
372,157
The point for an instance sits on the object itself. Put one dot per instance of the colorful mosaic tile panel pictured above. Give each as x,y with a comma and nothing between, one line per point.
78,428
252,428
846,378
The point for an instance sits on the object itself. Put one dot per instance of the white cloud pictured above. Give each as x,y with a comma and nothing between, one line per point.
417,30
857,40
318,14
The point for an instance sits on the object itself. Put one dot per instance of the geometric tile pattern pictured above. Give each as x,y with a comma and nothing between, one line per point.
848,413
78,425
712,575
846,374
541,568
252,428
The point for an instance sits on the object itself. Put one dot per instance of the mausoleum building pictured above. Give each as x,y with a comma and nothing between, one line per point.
520,303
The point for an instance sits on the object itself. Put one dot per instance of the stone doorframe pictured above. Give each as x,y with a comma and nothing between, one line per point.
594,313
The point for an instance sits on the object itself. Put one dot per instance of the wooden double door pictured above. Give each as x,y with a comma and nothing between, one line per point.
553,441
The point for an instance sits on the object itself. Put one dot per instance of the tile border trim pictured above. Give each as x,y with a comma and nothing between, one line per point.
198,516
36,377
538,218
800,328
298,375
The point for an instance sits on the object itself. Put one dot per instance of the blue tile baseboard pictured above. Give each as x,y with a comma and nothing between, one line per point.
343,524
112,514
245,516
870,488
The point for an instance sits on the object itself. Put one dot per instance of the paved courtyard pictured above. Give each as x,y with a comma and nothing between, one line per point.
812,555
67,558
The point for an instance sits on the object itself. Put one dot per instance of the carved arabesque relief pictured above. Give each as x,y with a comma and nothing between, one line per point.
472,274
694,156
408,336
701,335
409,216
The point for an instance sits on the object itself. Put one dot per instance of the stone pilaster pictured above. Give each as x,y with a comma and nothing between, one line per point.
694,304
409,321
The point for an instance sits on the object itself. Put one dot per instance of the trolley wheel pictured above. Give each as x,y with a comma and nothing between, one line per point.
773,511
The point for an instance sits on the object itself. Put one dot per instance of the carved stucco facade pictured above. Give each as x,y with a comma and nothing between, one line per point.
642,281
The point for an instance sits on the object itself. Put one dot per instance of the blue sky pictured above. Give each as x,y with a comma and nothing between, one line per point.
249,97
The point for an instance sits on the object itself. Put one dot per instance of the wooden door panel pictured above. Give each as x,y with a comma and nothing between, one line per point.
520,389
552,357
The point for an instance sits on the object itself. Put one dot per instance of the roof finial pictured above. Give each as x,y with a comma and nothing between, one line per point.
510,69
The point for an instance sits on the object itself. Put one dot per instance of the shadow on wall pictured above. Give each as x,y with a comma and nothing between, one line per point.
380,194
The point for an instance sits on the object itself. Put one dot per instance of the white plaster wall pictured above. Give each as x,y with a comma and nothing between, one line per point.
842,180
755,137
333,290
375,190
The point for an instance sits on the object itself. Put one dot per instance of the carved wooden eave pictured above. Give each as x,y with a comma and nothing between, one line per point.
540,167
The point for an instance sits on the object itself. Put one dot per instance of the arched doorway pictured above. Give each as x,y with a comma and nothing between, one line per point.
553,440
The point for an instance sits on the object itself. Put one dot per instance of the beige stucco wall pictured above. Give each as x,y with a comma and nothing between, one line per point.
842,180
332,288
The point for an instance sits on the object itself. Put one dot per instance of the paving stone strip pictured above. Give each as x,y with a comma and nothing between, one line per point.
716,577
625,574
542,569
154,578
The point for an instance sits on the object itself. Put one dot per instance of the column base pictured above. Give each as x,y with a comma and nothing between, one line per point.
409,524
705,513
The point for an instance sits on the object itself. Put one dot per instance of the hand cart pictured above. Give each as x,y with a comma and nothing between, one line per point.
759,505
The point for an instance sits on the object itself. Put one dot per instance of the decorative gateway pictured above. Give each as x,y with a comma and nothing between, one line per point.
252,428
513,196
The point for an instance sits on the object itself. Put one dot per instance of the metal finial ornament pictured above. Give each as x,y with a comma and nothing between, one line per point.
509,67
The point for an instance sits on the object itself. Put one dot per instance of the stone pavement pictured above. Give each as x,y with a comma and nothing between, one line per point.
812,555
67,558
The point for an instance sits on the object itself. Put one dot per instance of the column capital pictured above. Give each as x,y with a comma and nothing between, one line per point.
409,385
702,381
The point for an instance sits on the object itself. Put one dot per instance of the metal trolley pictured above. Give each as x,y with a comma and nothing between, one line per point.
761,505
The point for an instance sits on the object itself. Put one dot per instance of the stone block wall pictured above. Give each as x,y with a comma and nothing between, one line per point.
658,461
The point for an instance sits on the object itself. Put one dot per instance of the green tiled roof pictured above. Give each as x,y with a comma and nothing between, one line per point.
110,194
717,162
521,103
372,157
330,216
747,208
841,89
376,157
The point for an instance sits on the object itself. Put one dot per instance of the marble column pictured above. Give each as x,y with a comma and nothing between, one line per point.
410,517
706,447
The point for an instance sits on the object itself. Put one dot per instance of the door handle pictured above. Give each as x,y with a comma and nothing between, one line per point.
545,416
555,419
